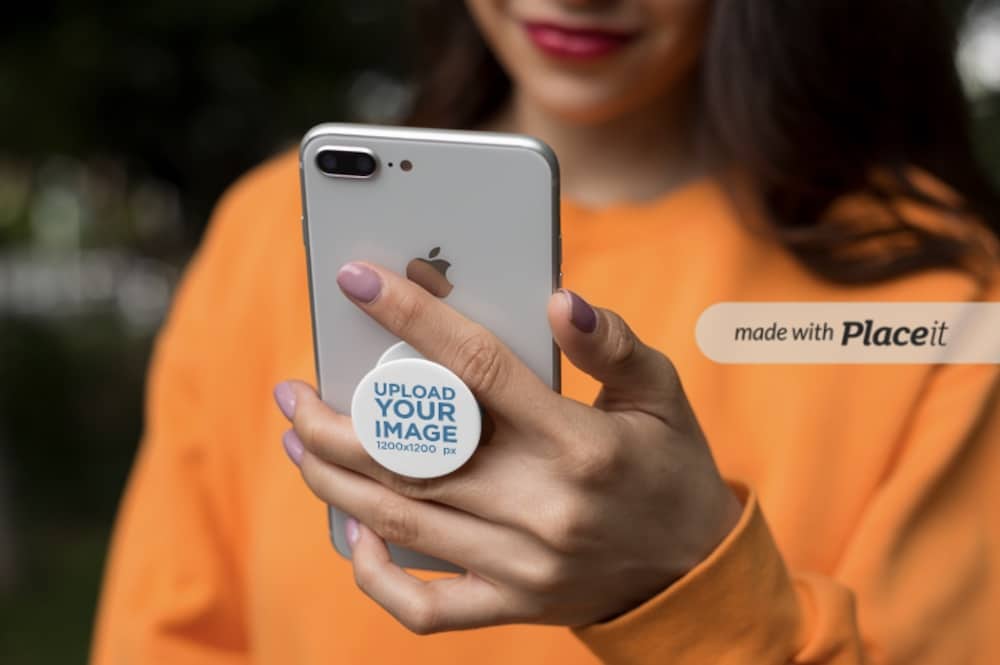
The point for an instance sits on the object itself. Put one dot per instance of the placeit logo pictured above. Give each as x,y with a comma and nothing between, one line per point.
431,273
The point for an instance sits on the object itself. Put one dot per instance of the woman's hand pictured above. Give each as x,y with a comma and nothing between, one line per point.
569,514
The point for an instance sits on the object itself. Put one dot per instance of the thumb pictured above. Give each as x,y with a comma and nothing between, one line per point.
599,342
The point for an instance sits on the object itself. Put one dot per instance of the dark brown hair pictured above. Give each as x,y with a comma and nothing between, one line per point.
811,103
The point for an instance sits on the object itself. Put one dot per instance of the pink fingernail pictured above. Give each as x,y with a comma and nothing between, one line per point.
352,531
582,315
360,282
285,397
293,446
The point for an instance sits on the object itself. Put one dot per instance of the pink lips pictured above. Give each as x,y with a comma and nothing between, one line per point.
575,43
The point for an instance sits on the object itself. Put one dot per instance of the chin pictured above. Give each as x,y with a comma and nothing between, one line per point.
579,102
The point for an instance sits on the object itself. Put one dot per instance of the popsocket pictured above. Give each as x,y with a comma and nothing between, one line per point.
414,416
398,351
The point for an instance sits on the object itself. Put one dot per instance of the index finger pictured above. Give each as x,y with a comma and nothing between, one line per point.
498,379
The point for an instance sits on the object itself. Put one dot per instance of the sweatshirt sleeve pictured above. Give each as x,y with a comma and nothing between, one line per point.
916,583
173,589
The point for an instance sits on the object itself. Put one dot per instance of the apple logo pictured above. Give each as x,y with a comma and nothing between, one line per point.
431,273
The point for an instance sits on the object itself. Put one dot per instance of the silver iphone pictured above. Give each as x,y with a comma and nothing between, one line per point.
471,216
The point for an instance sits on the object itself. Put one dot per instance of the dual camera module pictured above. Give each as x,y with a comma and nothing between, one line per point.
351,162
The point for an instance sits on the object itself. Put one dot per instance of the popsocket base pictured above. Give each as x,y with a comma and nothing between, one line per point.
414,416
398,351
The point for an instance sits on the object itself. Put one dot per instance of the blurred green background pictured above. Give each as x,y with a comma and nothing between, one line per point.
120,124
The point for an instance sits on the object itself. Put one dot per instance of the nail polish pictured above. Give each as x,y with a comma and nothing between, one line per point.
293,446
285,397
582,315
352,531
359,282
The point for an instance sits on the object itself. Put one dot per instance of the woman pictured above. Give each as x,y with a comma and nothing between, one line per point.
725,151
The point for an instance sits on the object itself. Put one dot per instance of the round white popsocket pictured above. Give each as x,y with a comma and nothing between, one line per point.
414,416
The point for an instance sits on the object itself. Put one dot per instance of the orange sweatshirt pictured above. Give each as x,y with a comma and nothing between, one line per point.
871,528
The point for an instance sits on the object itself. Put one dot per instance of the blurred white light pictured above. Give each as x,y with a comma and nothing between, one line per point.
54,285
143,297
55,218
979,52
378,98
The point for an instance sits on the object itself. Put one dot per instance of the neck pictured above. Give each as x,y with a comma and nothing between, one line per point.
634,157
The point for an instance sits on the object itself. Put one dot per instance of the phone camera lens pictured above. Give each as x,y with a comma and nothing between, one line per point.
347,163
364,164
327,161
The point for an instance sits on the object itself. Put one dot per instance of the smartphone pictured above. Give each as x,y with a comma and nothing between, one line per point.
471,216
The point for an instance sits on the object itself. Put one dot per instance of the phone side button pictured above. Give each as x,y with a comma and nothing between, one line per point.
305,231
